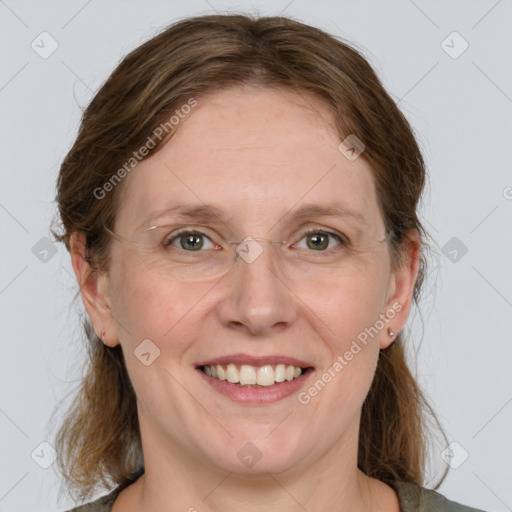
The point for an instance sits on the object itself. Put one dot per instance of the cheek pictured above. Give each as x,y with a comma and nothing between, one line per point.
350,305
351,327
337,393
148,307
342,385
161,312
353,383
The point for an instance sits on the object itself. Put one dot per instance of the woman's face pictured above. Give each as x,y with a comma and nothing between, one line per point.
258,156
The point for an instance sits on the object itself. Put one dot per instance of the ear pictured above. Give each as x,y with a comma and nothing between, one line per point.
401,287
94,291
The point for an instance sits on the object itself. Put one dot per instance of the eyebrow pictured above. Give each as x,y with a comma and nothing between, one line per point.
199,213
308,211
206,213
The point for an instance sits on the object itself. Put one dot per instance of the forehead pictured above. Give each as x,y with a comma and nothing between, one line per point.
256,154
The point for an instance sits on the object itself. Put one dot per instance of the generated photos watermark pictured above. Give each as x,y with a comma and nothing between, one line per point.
158,133
343,360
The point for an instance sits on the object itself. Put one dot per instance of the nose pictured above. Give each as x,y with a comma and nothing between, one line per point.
258,299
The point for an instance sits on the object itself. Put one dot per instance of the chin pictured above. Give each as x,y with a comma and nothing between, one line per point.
256,456
260,466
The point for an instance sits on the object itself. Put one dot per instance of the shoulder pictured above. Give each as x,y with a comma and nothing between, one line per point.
103,504
418,499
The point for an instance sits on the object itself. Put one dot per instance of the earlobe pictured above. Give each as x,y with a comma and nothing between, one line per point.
401,287
93,291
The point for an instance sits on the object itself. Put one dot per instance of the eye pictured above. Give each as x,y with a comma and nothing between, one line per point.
191,241
318,239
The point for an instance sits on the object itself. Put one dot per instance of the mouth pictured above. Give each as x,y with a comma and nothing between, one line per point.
251,376
255,380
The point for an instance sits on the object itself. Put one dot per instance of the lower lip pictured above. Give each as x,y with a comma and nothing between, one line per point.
257,395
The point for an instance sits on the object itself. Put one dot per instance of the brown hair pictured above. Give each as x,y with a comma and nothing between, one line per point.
99,440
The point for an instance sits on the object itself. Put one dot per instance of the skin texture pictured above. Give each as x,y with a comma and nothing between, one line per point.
257,154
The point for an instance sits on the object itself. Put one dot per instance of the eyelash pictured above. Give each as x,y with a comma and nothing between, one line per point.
343,240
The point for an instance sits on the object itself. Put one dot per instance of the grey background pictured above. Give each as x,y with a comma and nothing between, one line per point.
461,109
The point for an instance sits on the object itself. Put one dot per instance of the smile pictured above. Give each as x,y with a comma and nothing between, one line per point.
255,380
247,375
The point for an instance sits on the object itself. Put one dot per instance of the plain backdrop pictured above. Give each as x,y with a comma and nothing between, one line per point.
455,89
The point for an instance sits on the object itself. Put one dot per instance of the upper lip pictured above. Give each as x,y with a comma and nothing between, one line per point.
256,361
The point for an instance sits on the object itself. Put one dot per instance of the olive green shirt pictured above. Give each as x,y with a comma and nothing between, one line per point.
412,499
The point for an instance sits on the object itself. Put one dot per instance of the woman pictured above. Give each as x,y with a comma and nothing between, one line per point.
240,209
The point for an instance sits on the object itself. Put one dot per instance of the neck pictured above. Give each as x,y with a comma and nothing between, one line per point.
176,481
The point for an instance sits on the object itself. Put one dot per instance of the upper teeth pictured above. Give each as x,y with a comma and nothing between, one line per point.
264,376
